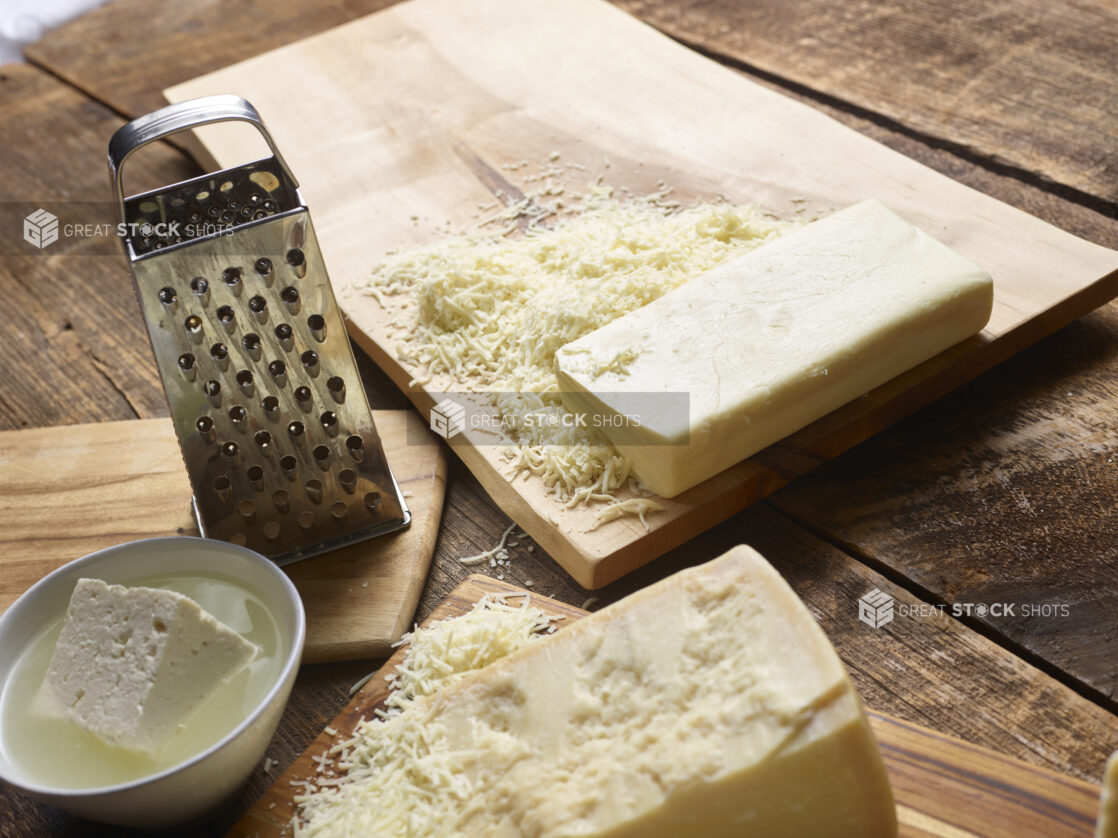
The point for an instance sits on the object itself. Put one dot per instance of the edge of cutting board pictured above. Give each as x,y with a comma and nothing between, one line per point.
71,490
942,785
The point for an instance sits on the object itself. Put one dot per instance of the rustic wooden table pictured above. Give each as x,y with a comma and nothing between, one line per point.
1005,491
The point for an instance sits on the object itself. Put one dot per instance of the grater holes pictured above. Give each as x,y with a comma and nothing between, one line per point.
317,324
200,288
220,353
252,345
278,370
263,265
227,317
306,519
232,278
329,421
245,382
263,441
347,477
286,336
372,501
355,445
168,297
259,308
187,366
205,428
313,488
230,451
247,510
338,512
289,464
194,328
212,389
309,360
295,257
297,432
255,475
271,530
238,538
238,416
304,398
222,488
290,297
336,385
280,501
321,455
271,405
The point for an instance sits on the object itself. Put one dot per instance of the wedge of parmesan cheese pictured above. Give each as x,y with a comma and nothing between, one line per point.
132,664
770,342
710,704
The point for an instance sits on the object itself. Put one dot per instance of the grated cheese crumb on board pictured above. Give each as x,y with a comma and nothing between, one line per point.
389,760
494,304
491,556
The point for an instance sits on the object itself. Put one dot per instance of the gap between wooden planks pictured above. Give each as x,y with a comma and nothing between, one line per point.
943,786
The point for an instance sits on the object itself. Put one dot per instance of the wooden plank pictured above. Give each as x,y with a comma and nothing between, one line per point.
70,491
399,151
142,50
942,785
1003,492
75,348
1025,83
1020,82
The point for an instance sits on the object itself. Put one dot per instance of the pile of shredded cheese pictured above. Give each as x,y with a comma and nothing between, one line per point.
367,783
494,304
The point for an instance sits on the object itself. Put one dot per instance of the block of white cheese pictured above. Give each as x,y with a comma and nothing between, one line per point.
770,342
1107,826
709,704
131,664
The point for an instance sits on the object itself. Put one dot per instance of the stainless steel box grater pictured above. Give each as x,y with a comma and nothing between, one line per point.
271,415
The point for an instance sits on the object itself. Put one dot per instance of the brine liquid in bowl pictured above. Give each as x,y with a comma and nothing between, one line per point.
56,752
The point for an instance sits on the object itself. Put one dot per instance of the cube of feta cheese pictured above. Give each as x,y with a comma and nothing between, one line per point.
131,664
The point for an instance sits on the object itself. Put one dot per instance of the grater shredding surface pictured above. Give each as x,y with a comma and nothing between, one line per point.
269,409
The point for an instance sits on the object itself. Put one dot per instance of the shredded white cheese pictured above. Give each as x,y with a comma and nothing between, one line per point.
492,555
391,761
493,305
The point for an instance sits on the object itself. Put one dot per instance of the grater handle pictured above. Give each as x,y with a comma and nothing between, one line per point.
182,116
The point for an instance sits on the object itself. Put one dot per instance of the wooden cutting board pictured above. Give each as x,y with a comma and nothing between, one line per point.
69,491
411,117
944,787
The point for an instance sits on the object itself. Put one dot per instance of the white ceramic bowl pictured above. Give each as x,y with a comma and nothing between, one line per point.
204,783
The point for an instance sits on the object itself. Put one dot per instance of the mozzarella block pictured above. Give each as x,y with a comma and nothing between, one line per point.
1107,826
131,664
770,342
710,704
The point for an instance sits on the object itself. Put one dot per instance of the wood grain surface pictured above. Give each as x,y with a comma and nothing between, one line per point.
128,51
1015,81
70,491
399,152
942,785
75,348
1016,508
